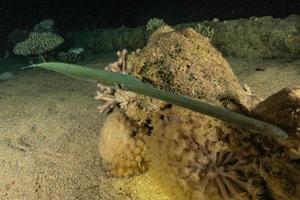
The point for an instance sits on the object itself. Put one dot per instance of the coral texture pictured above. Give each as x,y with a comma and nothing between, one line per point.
195,150
257,37
154,23
38,43
205,30
283,109
185,62
122,146
193,156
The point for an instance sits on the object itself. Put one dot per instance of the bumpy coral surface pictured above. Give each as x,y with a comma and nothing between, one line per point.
185,62
122,146
283,109
198,158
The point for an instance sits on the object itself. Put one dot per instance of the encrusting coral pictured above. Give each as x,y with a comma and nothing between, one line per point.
191,155
122,146
185,62
195,149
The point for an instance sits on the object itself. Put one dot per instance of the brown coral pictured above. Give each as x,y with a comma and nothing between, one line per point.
122,146
185,62
283,109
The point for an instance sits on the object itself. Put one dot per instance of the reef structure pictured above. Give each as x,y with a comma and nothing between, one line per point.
193,156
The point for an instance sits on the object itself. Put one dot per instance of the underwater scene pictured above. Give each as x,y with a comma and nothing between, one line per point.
159,107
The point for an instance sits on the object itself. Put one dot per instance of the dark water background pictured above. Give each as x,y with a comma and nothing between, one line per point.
79,14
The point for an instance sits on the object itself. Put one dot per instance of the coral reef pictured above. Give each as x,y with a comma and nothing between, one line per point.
38,43
258,37
193,156
122,146
255,37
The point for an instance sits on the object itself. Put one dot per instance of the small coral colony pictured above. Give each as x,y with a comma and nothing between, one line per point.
191,155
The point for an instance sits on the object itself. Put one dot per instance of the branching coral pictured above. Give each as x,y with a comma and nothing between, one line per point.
108,94
154,23
38,43
137,107
120,64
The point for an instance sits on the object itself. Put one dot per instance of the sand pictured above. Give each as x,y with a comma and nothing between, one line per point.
49,130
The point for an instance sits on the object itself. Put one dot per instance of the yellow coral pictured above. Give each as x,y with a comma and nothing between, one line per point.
197,158
122,145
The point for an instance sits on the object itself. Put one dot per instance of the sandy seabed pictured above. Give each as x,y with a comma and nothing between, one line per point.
49,133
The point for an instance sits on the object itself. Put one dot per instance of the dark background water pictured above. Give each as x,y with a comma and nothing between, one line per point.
80,14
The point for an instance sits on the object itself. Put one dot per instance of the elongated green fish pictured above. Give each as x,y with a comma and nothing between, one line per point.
131,83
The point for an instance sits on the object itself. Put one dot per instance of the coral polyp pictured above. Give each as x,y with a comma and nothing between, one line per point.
199,158
218,173
122,146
